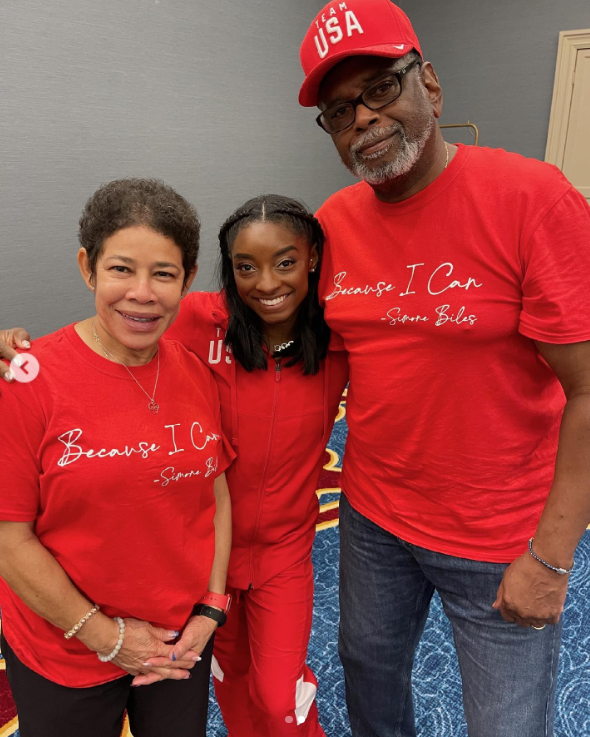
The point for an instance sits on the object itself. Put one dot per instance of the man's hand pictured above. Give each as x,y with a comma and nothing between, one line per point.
530,594
10,340
195,637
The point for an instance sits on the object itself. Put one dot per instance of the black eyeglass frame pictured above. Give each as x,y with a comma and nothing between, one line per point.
359,100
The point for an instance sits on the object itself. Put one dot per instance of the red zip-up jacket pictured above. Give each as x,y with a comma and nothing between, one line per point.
278,422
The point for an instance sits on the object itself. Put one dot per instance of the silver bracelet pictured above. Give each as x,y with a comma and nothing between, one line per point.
561,571
115,652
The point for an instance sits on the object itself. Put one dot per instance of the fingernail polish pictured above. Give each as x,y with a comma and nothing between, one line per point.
26,344
18,361
9,376
173,633
173,657
197,659
147,665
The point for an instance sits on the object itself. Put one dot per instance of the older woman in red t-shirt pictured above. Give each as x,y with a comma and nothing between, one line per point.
116,524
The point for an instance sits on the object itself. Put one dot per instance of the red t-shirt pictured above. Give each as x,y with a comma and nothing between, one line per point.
122,498
453,415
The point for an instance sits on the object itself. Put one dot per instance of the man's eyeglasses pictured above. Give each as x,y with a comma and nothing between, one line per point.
380,94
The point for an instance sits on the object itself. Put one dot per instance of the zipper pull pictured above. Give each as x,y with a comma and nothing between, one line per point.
278,372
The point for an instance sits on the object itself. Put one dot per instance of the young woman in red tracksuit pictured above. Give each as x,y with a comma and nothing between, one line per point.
265,339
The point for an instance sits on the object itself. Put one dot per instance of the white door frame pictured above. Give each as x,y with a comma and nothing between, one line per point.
570,42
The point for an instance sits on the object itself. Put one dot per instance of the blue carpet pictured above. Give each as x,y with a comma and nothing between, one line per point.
436,680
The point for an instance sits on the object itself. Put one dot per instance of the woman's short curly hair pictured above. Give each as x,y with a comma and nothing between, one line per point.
124,203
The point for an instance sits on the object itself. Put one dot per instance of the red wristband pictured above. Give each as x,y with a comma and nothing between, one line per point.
222,601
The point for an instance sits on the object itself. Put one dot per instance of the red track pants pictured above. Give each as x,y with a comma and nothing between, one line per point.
262,683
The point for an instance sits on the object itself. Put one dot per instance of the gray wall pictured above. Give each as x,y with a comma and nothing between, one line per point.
202,94
496,62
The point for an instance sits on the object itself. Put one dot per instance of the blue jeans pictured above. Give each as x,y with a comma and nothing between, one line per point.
508,673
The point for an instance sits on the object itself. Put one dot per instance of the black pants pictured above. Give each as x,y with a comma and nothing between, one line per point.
46,709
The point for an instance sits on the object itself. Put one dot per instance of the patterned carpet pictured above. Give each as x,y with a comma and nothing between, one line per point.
437,684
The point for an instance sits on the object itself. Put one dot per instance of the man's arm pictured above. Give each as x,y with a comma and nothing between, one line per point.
530,593
567,511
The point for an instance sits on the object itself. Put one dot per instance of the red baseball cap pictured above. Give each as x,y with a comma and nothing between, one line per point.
352,28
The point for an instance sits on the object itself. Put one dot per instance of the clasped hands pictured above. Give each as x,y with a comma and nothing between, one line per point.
147,654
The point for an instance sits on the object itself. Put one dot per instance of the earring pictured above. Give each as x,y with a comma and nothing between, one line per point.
312,270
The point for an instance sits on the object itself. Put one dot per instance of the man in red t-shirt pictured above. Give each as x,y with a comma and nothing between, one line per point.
457,279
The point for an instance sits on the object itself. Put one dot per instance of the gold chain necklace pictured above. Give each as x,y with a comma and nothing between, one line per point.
447,161
153,406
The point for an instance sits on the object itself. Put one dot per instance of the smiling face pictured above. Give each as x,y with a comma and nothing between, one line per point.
382,145
271,264
138,283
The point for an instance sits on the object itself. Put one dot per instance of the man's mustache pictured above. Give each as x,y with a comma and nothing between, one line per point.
374,134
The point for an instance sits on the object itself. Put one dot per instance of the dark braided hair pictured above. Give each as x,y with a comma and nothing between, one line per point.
245,333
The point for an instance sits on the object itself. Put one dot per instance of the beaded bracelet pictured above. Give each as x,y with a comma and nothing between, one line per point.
561,571
78,626
115,652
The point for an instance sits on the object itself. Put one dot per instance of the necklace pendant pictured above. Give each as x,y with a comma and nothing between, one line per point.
154,407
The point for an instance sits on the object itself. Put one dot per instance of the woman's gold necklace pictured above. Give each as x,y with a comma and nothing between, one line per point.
153,406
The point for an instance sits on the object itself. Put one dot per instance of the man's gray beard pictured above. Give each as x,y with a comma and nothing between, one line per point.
408,155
